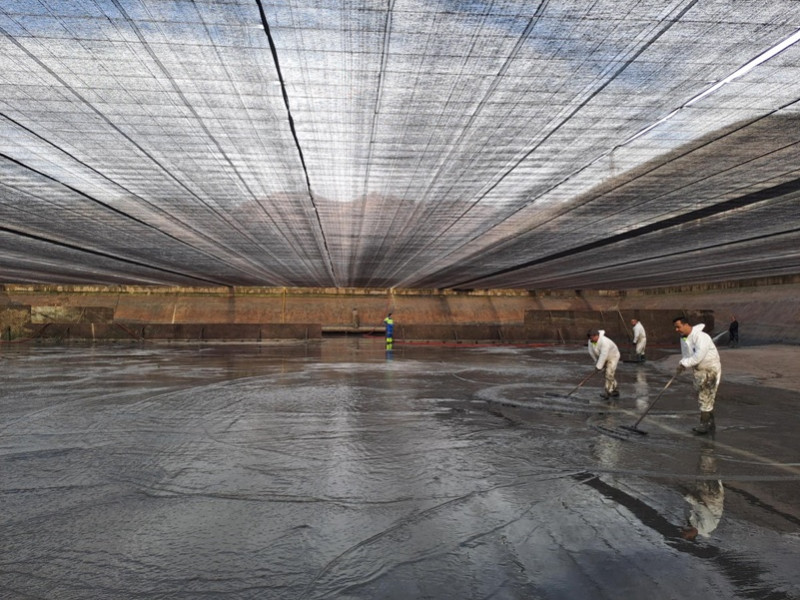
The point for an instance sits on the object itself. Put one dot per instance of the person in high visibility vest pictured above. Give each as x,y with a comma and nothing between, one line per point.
389,323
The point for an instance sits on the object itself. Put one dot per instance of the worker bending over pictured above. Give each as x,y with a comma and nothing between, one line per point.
606,356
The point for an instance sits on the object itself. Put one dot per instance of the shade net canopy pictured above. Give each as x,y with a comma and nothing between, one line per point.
400,143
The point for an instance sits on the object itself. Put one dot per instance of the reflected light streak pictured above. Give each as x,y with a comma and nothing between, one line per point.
761,58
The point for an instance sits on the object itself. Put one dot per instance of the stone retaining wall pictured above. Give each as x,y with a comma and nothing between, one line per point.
768,312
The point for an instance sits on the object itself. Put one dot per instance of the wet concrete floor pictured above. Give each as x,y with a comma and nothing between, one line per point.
336,470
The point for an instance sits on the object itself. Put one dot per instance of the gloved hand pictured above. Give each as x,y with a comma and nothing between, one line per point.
599,368
680,369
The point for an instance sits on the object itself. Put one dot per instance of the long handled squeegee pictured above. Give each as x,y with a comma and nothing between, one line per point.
584,380
635,426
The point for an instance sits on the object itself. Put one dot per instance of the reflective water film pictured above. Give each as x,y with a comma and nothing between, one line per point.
342,470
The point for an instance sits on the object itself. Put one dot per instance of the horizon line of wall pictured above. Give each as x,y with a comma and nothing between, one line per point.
767,309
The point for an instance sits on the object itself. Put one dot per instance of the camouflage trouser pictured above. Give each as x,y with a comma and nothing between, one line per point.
706,382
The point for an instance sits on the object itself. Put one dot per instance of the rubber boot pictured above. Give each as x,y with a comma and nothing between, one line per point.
706,423
615,394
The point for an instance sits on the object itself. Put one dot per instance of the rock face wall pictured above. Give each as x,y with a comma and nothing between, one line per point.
768,312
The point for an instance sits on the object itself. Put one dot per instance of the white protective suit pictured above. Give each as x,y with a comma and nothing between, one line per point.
639,337
699,353
606,355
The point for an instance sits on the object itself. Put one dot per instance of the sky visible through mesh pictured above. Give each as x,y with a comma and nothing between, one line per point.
505,144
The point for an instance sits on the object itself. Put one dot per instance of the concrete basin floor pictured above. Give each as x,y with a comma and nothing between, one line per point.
335,469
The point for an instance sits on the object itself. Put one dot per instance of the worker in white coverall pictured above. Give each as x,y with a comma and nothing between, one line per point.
639,338
700,354
606,356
